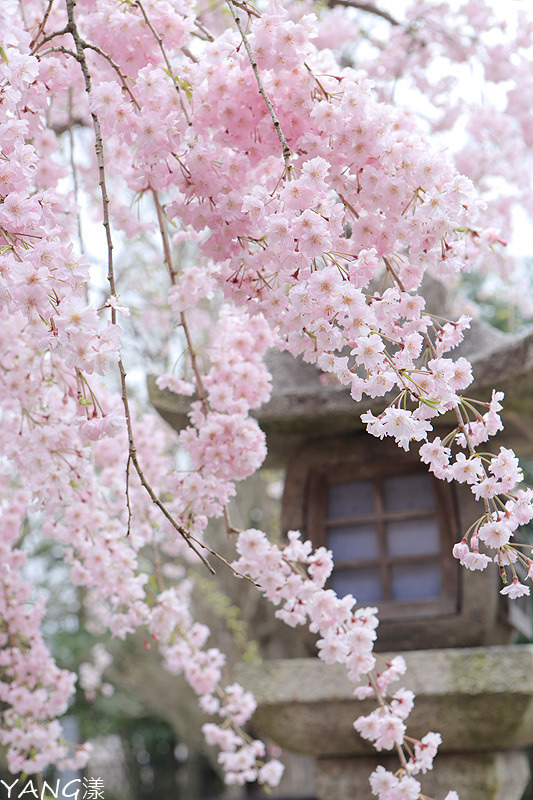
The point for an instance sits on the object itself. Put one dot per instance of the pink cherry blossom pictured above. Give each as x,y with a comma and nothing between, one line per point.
515,589
301,211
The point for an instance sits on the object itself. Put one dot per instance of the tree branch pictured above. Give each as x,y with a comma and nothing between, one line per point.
369,7
132,451
173,275
262,91
170,71
42,26
431,348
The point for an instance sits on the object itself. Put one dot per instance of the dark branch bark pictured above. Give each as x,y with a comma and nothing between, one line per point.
369,7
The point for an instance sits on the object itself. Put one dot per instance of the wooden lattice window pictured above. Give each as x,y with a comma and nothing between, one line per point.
390,530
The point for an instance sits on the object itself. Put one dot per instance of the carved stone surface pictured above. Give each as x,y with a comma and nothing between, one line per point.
479,776
479,699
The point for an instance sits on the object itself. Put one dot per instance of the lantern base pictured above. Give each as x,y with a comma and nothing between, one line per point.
491,776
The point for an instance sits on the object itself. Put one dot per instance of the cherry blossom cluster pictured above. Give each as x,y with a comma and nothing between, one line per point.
471,38
32,687
306,249
56,414
494,479
293,577
223,439
91,673
183,646
315,208
121,600
388,786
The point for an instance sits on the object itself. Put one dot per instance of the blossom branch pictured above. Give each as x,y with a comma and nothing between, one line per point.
369,7
36,46
202,395
159,41
431,347
132,451
42,24
116,67
262,91
206,33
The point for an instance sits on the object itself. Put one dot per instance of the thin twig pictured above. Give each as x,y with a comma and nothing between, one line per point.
202,394
127,490
224,561
74,170
262,91
370,7
207,33
349,206
187,52
382,702
230,528
116,67
164,237
48,38
252,12
157,566
431,347
57,49
132,451
43,23
159,41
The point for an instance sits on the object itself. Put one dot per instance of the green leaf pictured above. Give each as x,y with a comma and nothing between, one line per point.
186,86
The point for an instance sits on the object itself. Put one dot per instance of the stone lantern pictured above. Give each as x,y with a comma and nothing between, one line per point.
389,523
391,527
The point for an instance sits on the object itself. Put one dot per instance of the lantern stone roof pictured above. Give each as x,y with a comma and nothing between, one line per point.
303,405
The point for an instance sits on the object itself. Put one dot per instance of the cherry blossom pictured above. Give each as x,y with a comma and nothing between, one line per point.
285,196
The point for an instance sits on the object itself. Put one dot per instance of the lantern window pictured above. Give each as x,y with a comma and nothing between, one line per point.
390,532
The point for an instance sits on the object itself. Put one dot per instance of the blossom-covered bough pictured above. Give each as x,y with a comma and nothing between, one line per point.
317,202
